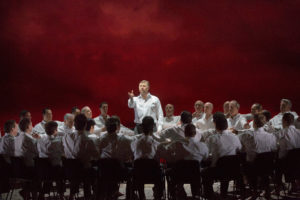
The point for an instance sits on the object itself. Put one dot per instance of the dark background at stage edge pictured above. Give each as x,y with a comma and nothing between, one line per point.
59,55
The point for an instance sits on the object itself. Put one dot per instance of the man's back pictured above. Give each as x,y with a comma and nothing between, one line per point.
144,147
289,138
52,148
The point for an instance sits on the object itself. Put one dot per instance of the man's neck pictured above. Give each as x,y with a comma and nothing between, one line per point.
207,116
169,116
144,96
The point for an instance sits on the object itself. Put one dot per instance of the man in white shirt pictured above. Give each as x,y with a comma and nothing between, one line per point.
78,145
206,123
170,120
7,145
198,114
176,133
68,125
285,107
224,143
226,109
257,140
186,150
146,147
51,147
256,108
101,119
236,121
87,112
112,145
145,105
47,117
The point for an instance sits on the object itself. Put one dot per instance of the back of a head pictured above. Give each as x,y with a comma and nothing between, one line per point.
51,127
190,130
288,118
267,114
89,124
186,117
220,121
24,124
112,124
147,125
9,125
259,120
80,122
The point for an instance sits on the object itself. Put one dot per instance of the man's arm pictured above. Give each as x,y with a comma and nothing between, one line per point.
131,102
160,116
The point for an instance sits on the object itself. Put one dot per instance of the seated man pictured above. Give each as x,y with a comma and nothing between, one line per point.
198,114
285,107
40,127
254,142
146,147
90,128
206,122
25,147
51,147
224,143
68,126
170,120
236,121
112,145
78,145
75,111
186,150
7,145
87,112
226,109
176,133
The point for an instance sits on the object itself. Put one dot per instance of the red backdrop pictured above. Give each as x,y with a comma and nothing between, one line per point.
63,53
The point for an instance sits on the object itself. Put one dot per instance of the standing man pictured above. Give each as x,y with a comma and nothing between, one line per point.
145,105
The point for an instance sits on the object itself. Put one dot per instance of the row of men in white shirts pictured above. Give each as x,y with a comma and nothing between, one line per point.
19,141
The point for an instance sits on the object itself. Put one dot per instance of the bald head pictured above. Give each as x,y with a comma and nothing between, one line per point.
208,108
87,112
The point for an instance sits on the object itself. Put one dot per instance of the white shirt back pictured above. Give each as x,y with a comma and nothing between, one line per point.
144,147
289,138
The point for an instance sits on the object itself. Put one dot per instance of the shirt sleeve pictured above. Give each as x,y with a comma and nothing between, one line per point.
160,116
131,102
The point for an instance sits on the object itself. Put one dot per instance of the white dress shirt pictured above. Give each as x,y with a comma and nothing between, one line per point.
257,141
237,122
195,119
204,124
277,119
147,107
223,144
289,138
40,127
144,147
115,146
7,146
25,146
176,133
100,122
63,129
188,149
170,121
80,146
51,147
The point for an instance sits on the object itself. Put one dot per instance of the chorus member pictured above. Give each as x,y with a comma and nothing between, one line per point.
25,114
224,143
256,108
145,104
75,111
67,126
268,125
47,117
90,130
101,119
198,114
206,122
226,109
146,147
7,143
257,140
176,133
78,145
236,121
51,147
170,120
289,136
285,107
188,149
87,112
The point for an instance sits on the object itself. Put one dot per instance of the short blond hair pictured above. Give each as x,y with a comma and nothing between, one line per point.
145,81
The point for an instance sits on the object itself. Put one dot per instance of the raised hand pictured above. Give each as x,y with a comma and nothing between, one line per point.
131,94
